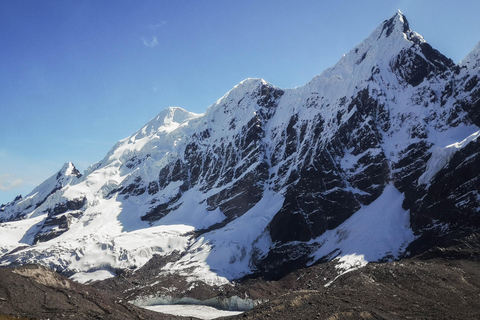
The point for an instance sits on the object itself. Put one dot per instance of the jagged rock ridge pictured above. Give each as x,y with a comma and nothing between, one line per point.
268,180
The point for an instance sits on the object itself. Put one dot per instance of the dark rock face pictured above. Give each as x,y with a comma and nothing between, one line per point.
448,208
306,214
414,66
472,103
411,165
75,204
59,219
241,196
319,196
161,210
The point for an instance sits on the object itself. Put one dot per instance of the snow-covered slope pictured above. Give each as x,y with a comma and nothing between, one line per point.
269,179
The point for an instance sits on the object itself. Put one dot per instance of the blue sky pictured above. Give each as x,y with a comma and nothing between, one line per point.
77,76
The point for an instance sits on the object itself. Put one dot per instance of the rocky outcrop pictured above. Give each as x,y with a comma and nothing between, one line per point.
36,292
59,219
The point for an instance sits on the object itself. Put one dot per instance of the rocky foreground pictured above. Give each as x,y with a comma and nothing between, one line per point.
35,292
442,283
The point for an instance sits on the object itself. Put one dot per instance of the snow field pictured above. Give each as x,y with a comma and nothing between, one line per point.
379,230
197,311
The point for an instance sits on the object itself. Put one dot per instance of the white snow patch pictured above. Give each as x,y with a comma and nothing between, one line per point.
442,156
19,233
379,230
87,277
348,263
194,267
193,212
233,245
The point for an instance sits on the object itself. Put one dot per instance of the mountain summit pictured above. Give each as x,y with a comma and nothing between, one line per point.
374,159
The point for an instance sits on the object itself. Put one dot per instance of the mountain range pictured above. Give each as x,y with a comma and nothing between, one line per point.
376,159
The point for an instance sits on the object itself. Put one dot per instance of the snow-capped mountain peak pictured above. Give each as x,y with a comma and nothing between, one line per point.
249,88
395,26
68,169
26,206
167,121
267,180
390,47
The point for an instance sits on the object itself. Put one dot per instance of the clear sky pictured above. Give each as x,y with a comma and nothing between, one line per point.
77,76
